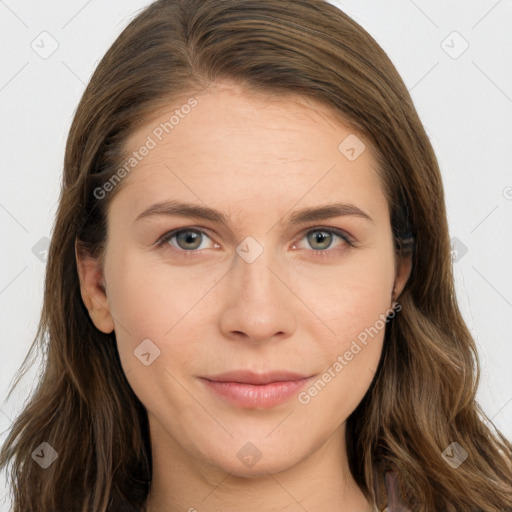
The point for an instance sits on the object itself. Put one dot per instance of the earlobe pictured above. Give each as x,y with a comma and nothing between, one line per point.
402,274
92,290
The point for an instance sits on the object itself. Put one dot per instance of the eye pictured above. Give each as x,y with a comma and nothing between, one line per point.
321,240
185,239
190,240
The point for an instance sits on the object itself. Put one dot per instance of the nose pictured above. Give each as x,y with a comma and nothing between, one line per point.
258,303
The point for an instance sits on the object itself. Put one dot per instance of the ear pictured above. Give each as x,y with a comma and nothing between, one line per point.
92,289
402,274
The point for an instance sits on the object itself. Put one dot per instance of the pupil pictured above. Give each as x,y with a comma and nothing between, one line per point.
322,237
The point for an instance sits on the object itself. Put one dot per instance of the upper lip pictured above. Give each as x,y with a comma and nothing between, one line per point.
249,377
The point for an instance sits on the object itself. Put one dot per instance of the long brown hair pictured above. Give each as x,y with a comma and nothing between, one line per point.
422,398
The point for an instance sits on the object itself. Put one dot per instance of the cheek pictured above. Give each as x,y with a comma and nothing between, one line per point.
151,316
348,359
352,304
358,317
350,356
350,297
152,301
148,297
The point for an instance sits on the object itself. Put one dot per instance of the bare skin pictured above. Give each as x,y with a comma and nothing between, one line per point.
257,160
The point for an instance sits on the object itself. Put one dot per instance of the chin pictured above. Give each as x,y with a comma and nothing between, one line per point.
245,460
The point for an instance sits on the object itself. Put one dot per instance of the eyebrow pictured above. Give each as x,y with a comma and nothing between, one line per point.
179,208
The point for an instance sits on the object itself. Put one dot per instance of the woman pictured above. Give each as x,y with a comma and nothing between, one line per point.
203,352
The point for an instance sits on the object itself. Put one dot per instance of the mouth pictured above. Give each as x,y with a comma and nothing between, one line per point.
251,390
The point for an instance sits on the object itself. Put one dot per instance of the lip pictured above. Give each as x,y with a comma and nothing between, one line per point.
251,390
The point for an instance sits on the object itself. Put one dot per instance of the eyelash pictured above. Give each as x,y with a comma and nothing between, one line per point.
163,241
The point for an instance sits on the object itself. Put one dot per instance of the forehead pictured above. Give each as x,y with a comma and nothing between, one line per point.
242,148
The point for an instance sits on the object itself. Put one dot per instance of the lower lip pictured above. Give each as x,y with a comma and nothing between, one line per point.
251,396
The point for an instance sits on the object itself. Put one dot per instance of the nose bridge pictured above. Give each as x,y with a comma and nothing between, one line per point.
257,304
256,278
252,259
256,282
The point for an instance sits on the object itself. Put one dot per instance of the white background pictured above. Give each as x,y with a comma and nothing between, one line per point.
465,104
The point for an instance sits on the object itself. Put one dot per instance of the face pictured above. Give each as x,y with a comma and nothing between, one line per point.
251,326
